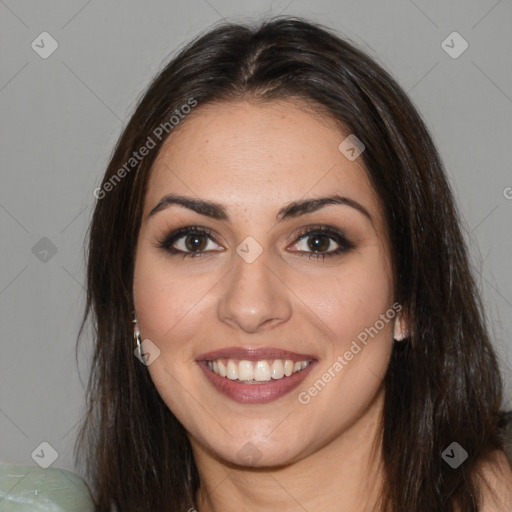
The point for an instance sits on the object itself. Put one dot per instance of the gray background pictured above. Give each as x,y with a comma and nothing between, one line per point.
61,117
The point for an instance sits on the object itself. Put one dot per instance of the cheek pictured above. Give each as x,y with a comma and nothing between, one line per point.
168,311
351,298
357,306
166,299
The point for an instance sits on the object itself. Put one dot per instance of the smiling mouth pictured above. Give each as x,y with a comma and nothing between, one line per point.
256,372
255,375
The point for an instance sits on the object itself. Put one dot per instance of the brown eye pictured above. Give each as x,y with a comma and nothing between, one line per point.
189,241
322,241
319,243
195,242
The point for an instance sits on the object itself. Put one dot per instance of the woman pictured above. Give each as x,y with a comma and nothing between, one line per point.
276,221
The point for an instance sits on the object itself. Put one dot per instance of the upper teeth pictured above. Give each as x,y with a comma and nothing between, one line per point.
259,371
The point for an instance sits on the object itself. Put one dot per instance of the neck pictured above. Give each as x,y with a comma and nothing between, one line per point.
345,474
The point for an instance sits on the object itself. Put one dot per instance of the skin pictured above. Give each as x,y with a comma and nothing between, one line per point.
254,159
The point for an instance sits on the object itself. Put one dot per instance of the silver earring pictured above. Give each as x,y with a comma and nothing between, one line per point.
136,337
402,334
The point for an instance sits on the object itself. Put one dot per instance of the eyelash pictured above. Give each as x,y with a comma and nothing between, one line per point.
169,240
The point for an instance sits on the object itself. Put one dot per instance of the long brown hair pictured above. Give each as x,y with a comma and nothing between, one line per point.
443,382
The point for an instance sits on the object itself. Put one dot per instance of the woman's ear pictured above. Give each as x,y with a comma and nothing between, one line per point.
401,328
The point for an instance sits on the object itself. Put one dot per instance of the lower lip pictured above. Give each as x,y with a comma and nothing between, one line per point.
255,393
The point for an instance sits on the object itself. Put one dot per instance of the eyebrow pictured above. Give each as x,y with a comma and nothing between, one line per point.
293,209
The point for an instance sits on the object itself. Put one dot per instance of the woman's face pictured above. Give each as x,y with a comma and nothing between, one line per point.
251,286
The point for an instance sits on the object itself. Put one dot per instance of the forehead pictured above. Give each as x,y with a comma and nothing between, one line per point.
258,155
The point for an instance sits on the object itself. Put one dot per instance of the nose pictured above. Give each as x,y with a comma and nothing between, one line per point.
255,296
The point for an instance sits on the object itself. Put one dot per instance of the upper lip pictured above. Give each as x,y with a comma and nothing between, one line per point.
253,354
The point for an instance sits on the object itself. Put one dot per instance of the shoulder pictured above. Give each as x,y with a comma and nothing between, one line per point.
496,483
